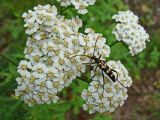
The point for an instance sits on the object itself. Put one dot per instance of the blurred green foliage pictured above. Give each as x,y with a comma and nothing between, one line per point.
12,43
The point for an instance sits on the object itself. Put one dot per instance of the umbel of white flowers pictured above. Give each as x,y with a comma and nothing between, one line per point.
80,5
130,32
102,94
56,53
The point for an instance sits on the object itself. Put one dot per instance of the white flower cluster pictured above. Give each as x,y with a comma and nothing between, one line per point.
130,32
79,5
104,95
55,53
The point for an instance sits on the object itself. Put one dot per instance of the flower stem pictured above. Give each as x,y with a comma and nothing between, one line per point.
114,43
63,10
125,45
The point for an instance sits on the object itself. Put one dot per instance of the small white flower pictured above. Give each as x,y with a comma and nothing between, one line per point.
40,85
24,67
39,70
55,85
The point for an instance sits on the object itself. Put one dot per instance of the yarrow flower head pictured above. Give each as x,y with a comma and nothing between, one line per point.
129,31
102,94
55,52
79,5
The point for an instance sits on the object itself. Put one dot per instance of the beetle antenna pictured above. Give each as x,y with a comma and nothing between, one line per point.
95,47
80,55
117,78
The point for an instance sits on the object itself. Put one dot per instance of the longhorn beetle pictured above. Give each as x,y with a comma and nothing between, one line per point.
103,66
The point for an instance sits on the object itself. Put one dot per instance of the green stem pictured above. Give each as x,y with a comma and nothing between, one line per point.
114,43
125,45
8,59
63,10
